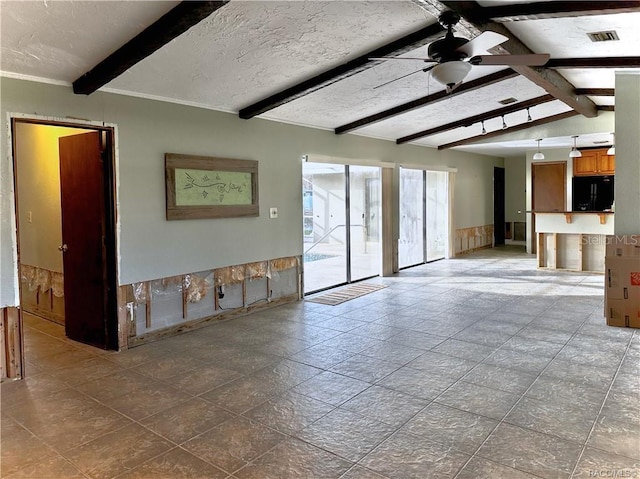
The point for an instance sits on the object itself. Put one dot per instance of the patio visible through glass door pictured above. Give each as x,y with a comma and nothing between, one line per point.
341,224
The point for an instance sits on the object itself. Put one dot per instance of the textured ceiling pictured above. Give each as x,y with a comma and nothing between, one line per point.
249,50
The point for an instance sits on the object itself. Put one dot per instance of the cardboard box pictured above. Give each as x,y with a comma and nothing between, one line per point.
623,313
622,245
622,278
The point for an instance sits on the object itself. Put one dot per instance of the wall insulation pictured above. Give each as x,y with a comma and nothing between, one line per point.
166,306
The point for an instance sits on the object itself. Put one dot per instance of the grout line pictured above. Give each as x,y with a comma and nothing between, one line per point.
502,421
595,421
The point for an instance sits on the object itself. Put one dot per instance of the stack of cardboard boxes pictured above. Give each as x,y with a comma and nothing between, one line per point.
622,281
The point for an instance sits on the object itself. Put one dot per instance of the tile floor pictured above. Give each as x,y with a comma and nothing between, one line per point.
476,368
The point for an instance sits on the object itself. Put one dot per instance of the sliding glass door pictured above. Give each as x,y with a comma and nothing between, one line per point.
365,207
423,216
341,224
412,233
437,214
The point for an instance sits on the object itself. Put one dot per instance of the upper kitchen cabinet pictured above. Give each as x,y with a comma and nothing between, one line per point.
594,162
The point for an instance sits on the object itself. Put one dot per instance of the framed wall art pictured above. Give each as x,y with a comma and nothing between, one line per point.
207,187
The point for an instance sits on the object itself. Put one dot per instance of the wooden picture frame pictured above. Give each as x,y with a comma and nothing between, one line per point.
207,187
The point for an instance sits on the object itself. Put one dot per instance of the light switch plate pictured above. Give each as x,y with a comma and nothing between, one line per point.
273,213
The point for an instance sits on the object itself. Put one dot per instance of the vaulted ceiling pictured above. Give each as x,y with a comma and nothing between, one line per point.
310,63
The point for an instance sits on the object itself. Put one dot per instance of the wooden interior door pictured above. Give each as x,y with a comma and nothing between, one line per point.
83,234
549,186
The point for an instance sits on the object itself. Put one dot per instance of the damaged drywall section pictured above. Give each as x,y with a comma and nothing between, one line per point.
164,307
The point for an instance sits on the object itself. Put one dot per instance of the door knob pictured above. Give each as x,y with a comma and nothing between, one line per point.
63,248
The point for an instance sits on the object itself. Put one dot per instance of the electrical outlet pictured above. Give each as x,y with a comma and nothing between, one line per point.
273,213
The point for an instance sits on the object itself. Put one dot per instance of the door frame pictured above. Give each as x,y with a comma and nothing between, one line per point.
109,133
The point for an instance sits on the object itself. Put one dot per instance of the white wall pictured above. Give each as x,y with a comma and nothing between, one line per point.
151,247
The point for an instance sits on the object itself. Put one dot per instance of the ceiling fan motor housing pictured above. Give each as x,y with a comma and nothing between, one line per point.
446,49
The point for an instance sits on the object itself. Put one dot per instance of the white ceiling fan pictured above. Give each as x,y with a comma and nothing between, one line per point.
453,57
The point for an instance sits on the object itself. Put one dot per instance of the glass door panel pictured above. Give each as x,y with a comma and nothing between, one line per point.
411,246
436,205
324,226
365,226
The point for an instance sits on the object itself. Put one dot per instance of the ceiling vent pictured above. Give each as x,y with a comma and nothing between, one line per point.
507,101
607,36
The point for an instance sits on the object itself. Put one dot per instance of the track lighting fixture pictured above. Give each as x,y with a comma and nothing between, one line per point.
538,155
484,131
529,116
612,150
504,125
575,153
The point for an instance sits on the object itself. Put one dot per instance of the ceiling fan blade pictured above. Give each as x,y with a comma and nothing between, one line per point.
401,58
535,59
405,76
482,43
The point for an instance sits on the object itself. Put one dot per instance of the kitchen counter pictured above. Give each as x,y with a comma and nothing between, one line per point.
573,240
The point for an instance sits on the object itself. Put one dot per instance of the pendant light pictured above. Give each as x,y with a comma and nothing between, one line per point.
538,155
612,150
575,153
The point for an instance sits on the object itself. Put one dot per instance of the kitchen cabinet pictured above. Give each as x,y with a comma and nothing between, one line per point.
594,162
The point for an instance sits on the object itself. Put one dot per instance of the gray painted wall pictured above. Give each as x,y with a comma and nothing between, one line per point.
151,247
627,193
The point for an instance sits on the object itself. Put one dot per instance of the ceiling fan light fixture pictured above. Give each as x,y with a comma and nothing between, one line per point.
575,153
612,150
450,73
538,155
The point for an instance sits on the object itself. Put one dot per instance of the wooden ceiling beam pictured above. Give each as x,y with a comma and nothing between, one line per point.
417,39
606,107
171,25
541,10
523,105
596,91
474,21
427,100
602,62
511,129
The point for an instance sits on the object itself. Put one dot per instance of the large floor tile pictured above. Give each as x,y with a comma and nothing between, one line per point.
385,405
568,422
186,420
175,464
295,459
115,453
539,454
597,463
480,400
346,434
331,388
452,427
289,412
402,457
418,383
234,443
479,468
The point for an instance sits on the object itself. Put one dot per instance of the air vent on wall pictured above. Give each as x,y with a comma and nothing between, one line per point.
607,36
507,101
